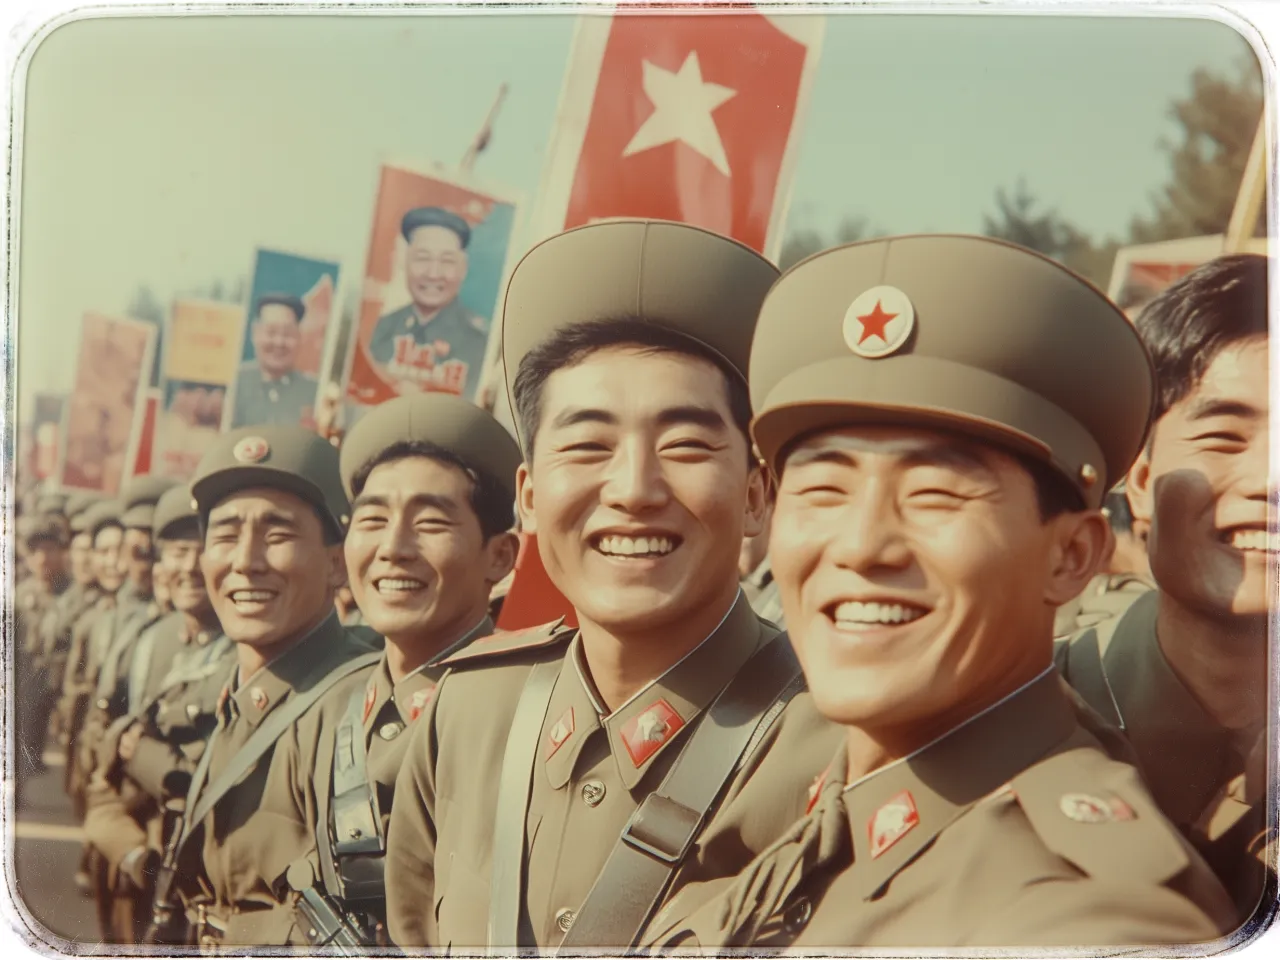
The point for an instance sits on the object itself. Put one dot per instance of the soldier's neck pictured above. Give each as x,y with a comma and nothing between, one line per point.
1221,662
407,653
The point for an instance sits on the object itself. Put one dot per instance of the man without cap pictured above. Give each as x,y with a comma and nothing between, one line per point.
432,482
270,388
625,348
944,414
272,509
166,700
434,343
1184,671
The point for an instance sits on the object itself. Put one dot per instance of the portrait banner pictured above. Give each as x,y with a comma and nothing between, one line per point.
104,410
202,351
438,256
45,426
291,303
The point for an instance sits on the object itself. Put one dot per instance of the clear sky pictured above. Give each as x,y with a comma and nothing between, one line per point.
163,150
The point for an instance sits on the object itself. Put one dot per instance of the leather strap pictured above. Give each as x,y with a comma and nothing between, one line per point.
506,883
662,831
263,739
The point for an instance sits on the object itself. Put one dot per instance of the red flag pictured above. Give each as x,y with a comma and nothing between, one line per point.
146,438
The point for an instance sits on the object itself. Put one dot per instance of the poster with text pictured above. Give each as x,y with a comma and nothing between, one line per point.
291,303
104,410
202,351
437,260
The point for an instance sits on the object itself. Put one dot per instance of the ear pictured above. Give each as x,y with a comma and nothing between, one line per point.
502,551
1138,489
524,500
1083,543
337,566
759,498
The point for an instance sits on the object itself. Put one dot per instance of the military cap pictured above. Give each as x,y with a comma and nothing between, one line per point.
172,510
689,280
105,513
41,526
446,421
51,503
963,333
282,456
140,497
435,217
77,503
295,304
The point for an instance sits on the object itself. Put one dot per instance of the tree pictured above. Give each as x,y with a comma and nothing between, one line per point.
1018,220
807,241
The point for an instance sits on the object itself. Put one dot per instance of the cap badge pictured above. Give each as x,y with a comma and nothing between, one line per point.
892,822
648,730
561,732
251,450
879,322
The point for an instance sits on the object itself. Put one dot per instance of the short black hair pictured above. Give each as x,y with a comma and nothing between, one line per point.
490,502
295,304
571,345
1189,324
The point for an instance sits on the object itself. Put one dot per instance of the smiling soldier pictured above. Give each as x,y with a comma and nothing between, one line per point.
579,759
945,414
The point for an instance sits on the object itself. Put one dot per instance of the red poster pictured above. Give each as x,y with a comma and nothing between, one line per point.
146,438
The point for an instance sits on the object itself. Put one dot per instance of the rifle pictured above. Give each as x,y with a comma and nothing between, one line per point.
323,922
168,925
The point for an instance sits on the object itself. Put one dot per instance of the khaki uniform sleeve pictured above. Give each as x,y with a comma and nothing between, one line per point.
108,824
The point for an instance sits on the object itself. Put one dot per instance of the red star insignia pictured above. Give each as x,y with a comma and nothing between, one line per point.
648,730
370,694
418,702
892,822
874,323
561,732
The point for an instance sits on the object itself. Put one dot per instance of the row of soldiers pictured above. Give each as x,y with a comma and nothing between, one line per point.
928,426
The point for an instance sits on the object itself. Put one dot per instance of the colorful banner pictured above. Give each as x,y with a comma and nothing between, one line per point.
281,356
432,285
202,351
45,427
104,410
147,435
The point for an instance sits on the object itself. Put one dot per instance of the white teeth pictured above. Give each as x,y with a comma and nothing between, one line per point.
857,612
635,546
251,596
1259,540
390,585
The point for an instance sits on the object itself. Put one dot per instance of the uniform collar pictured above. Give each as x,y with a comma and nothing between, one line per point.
283,380
440,314
893,813
325,646
1162,719
413,693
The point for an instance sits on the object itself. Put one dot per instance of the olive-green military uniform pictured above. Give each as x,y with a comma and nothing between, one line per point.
260,400
761,589
1016,828
592,769
1198,771
1108,595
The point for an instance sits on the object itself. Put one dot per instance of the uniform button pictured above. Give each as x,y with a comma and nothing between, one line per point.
593,792
797,915
564,919
389,731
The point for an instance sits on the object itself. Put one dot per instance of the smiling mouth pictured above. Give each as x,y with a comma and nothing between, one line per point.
1252,540
859,614
250,600
397,585
640,548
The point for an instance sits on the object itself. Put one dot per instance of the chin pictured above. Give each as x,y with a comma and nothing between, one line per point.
631,612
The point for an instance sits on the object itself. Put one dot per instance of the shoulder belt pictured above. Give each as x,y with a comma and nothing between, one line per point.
1079,660
498,644
263,739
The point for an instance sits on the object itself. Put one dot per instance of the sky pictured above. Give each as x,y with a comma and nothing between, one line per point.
164,150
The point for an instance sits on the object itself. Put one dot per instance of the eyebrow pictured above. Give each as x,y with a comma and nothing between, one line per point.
269,518
416,501
670,416
940,454
1209,407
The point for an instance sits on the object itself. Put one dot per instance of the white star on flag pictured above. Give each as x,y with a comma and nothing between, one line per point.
682,111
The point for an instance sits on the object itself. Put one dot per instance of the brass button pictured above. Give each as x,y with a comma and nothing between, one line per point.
593,792
564,919
389,731
797,915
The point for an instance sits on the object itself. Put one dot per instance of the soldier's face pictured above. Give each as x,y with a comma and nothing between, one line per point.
160,586
269,572
136,559
418,564
106,558
183,578
275,339
639,492
917,577
435,266
82,558
45,560
1203,486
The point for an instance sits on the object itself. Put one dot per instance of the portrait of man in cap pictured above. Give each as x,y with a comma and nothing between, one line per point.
270,388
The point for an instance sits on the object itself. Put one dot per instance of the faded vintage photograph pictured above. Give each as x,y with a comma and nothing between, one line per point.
641,480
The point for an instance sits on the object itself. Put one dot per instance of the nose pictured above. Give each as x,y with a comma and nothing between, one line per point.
634,482
1255,470
249,555
396,542
867,536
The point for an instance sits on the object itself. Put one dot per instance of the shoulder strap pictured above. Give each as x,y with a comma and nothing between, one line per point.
661,832
506,879
262,740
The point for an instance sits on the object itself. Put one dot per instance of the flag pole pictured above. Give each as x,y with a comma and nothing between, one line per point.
1253,191
486,131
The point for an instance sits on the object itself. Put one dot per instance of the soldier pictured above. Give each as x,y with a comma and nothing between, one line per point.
432,482
1183,672
272,509
270,388
434,343
639,483
944,414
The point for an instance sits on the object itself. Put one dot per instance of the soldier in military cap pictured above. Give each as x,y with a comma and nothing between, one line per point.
639,483
944,414
272,508
270,388
434,343
432,482
1184,671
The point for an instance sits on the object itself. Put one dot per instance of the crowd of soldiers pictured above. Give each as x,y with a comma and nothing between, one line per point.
1020,544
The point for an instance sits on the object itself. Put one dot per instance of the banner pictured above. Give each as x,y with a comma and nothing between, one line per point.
437,260
147,434
688,117
45,423
202,351
281,354
104,410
